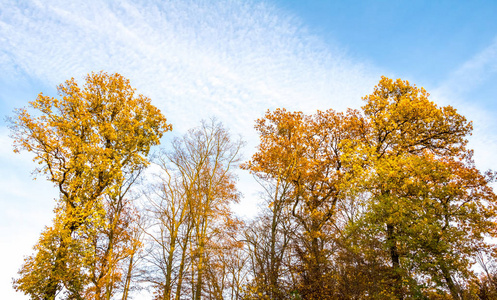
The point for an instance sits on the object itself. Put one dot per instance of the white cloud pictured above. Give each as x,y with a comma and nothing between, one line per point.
227,58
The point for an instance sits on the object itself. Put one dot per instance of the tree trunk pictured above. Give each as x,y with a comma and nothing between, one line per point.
454,289
395,259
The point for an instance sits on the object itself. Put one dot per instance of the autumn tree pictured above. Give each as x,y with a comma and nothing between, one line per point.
306,151
268,244
88,142
429,206
168,231
194,229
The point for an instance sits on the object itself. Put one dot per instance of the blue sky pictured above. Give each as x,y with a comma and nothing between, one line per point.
422,39
234,60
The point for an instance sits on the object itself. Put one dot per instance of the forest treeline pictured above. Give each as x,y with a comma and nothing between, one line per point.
384,202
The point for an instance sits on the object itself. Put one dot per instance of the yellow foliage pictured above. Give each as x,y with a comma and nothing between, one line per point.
89,143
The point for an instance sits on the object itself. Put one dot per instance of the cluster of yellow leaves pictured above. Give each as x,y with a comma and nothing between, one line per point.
425,209
89,143
86,140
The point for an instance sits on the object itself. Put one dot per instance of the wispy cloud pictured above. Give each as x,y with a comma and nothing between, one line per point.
474,72
195,59
461,89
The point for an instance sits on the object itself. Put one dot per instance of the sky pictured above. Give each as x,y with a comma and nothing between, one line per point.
234,60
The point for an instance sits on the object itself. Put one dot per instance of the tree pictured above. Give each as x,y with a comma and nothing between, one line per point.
169,231
87,143
306,151
191,210
268,243
429,205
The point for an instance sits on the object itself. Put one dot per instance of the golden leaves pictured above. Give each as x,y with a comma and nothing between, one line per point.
403,160
85,140
91,143
404,119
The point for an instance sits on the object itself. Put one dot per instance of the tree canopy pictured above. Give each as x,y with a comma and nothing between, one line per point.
89,142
